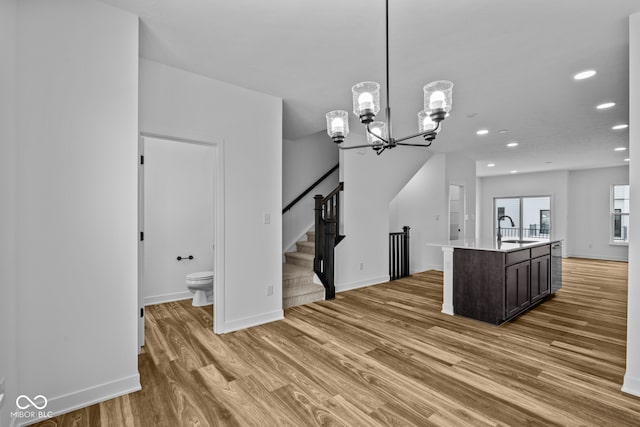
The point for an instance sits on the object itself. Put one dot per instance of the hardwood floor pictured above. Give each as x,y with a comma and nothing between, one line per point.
385,355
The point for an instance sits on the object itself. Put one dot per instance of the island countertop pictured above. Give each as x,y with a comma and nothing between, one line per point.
506,245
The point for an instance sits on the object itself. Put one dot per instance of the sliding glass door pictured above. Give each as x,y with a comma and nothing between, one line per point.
522,217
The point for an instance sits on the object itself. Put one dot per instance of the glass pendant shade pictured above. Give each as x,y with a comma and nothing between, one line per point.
426,123
438,96
366,100
379,129
337,124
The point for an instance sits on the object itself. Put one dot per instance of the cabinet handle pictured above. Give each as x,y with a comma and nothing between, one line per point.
180,258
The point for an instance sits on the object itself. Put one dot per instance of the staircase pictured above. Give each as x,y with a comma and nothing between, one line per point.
297,275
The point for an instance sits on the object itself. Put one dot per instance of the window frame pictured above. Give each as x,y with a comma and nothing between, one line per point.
522,228
612,218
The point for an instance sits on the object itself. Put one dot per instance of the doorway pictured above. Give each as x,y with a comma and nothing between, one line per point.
456,212
179,218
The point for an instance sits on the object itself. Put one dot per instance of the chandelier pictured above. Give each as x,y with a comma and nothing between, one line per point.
366,104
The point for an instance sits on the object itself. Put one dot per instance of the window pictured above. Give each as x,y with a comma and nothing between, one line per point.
531,217
620,214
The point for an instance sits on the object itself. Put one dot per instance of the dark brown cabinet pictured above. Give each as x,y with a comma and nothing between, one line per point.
495,286
540,277
517,283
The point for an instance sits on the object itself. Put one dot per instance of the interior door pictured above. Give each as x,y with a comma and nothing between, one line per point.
178,216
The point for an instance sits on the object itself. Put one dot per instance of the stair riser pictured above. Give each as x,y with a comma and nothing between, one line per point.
300,262
303,299
298,281
311,236
306,249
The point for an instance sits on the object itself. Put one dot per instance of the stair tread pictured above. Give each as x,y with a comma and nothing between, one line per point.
305,243
300,255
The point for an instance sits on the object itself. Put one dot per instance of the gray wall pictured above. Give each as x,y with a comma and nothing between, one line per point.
423,205
8,150
589,213
303,162
77,111
632,374
579,206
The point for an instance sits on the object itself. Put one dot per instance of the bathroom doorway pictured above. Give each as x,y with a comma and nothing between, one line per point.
178,217
456,212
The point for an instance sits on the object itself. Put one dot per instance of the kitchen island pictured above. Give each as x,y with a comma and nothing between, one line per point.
494,281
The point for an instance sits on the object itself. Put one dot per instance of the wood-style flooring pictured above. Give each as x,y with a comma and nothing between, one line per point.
385,355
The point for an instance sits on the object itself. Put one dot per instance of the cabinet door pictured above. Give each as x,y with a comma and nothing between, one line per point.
516,288
540,283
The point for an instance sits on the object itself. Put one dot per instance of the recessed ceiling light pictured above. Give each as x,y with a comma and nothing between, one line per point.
512,144
626,160
490,165
584,74
483,132
620,148
605,105
503,131
620,126
513,172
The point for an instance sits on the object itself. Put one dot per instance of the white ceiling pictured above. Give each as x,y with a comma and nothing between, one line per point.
512,64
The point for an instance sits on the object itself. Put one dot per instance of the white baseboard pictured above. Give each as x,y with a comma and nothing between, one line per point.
428,267
361,283
159,299
248,322
83,398
447,309
600,257
631,385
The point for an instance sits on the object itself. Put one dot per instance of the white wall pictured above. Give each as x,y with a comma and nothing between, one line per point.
589,231
579,202
371,182
8,148
632,375
461,170
554,184
304,161
77,201
423,205
189,106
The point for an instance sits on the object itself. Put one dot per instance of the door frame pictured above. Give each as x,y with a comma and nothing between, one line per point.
219,225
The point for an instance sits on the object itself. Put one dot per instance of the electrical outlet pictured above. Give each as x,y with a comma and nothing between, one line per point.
267,218
269,290
361,266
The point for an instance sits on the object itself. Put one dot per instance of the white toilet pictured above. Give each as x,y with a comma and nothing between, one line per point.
201,286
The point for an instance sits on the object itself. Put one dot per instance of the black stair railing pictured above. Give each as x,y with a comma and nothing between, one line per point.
399,254
327,224
311,187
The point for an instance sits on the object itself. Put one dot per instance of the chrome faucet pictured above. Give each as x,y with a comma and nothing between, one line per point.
499,230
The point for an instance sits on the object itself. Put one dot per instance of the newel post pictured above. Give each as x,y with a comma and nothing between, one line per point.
319,235
406,259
